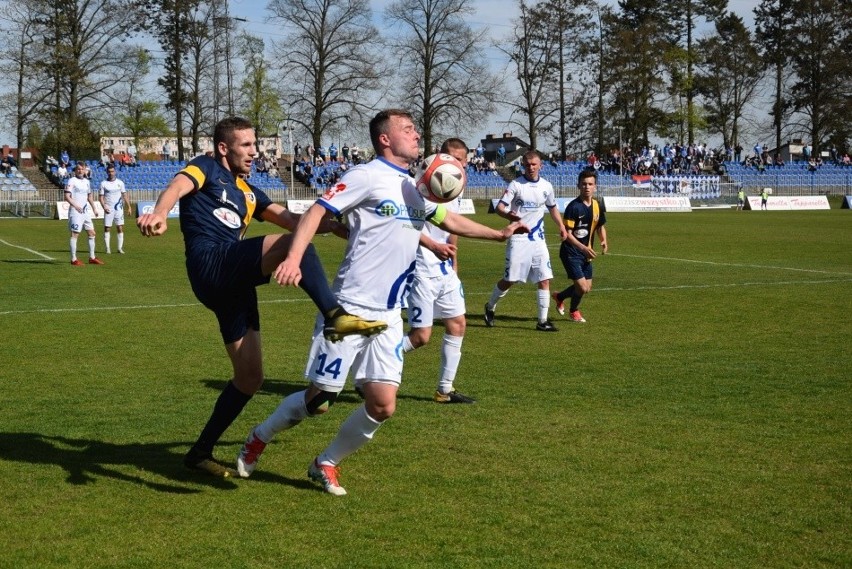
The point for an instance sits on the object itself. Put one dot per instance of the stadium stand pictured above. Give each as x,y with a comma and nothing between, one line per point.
794,177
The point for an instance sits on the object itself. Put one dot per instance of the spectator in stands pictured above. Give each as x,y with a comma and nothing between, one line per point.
62,173
332,152
321,154
812,164
356,154
7,164
480,150
847,161
779,162
738,153
758,150
501,155
297,152
260,164
65,159
345,152
131,151
806,152
81,210
309,150
87,172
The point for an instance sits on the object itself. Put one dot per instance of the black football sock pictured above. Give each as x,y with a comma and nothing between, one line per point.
315,283
228,407
575,299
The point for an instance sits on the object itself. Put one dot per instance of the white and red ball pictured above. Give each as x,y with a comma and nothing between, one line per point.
441,178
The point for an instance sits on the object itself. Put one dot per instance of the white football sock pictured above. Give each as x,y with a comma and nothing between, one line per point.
496,295
289,413
356,431
543,304
91,247
73,243
120,239
450,358
407,346
106,241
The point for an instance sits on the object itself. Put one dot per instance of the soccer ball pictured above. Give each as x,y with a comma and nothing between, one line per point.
441,178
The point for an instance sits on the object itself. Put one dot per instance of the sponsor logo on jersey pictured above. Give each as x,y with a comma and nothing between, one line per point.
402,211
227,217
581,233
331,192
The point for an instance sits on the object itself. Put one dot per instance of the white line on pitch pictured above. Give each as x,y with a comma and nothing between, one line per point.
42,255
137,307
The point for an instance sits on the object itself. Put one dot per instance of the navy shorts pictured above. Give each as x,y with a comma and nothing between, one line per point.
577,267
224,277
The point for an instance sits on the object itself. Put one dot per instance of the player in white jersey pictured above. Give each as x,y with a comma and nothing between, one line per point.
437,292
81,209
114,201
527,257
385,213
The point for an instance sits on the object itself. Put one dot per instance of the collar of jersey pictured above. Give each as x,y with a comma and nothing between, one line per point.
394,166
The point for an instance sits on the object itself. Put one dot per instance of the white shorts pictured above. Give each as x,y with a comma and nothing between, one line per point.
79,222
434,297
376,358
115,215
527,261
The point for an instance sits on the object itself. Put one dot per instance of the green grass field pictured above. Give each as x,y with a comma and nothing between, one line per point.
701,418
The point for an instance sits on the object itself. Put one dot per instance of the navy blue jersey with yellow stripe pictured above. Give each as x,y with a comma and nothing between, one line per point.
220,208
582,220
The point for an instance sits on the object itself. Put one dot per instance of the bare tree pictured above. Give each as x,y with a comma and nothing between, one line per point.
773,19
328,60
445,78
532,56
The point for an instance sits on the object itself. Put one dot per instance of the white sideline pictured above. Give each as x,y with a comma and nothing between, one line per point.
42,255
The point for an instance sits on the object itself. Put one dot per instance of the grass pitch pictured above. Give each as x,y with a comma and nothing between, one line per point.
699,419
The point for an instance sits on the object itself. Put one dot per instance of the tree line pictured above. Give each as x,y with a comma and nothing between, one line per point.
576,75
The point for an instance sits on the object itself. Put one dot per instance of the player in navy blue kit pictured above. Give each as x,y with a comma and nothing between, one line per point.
216,207
584,216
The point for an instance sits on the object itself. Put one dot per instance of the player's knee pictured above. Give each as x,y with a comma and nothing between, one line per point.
380,411
250,382
456,326
419,336
321,402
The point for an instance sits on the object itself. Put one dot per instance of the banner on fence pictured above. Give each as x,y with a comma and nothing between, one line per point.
63,207
789,203
670,204
148,207
299,206
696,187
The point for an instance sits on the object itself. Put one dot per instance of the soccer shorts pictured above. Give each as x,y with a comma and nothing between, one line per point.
434,297
377,358
79,222
576,266
223,277
115,215
527,261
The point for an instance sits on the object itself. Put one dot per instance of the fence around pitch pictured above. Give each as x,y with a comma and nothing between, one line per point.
43,202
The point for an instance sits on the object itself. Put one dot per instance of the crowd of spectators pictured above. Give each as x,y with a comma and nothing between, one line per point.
672,159
8,165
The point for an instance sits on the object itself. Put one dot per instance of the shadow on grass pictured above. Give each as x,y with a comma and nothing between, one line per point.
31,261
282,388
504,320
85,460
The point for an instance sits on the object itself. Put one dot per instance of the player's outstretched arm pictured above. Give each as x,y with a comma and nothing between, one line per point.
460,225
154,223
